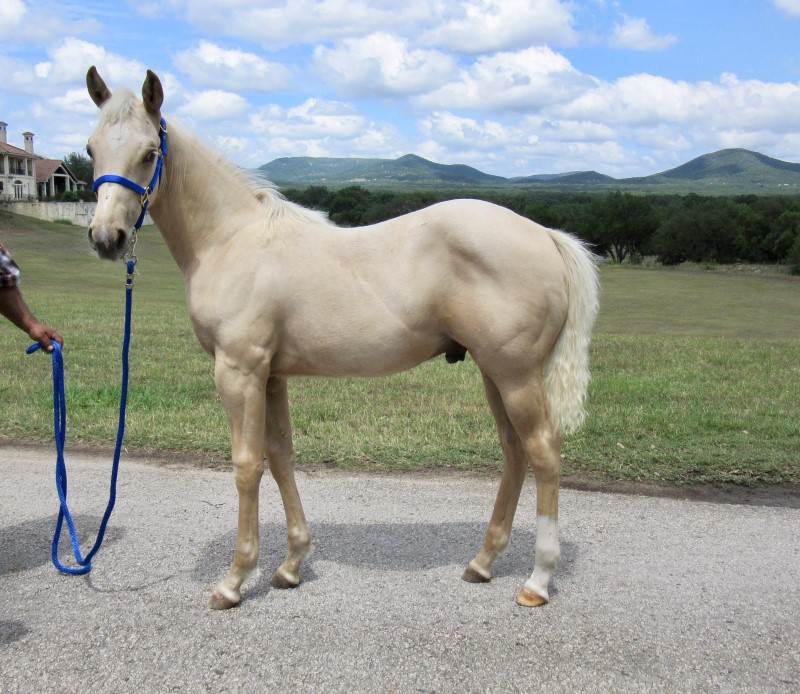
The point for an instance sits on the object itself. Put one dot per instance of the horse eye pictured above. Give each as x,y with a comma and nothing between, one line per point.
89,152
150,158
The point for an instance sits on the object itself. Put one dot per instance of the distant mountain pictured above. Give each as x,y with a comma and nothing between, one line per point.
729,170
581,178
409,169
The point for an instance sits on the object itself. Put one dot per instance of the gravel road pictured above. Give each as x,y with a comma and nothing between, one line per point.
652,594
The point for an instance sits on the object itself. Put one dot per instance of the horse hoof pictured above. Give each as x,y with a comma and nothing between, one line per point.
220,601
472,575
281,581
527,598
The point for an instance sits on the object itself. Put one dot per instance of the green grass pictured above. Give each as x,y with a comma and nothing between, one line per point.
695,376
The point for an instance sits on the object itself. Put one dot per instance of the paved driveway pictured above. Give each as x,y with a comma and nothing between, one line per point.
652,594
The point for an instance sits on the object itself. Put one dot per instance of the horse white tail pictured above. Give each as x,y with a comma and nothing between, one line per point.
566,371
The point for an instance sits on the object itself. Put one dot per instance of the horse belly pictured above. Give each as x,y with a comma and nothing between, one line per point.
354,348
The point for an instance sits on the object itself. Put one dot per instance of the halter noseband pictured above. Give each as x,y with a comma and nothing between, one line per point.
144,193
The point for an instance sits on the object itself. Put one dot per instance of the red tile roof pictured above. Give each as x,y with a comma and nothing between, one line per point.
10,149
46,168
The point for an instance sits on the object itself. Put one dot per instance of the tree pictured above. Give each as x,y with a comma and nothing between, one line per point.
621,224
793,257
81,166
704,229
783,235
346,206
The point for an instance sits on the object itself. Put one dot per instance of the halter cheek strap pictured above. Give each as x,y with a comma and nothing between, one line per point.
143,193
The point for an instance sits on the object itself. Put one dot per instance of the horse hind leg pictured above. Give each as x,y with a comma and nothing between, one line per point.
281,457
527,409
498,533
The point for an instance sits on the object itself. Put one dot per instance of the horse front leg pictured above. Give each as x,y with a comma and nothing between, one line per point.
243,395
281,457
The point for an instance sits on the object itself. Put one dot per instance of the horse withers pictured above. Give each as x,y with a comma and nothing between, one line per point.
275,290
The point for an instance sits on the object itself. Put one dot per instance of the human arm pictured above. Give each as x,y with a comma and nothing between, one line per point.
13,307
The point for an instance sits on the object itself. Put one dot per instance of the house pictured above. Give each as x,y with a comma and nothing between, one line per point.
27,176
53,178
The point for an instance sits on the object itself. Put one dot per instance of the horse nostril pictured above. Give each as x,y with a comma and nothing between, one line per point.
121,239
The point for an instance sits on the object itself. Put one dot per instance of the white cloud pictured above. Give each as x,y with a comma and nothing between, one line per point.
647,100
482,26
209,65
636,125
213,105
565,130
318,127
313,118
37,23
292,22
790,6
71,58
74,101
635,34
524,80
11,13
467,26
383,64
453,130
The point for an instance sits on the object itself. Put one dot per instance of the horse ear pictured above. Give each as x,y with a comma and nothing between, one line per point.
97,88
152,94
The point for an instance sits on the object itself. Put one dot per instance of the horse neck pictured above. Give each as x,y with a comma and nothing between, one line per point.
194,209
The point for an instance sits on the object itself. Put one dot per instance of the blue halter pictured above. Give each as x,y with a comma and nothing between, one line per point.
144,193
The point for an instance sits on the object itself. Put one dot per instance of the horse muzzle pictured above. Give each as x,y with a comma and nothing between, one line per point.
110,243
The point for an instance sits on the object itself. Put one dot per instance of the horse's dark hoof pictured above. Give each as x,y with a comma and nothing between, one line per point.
222,599
472,575
282,581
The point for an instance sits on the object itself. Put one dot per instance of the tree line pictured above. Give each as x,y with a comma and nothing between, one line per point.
621,226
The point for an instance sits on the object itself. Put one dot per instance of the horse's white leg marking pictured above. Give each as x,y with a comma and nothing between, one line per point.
527,410
281,457
498,533
534,592
243,396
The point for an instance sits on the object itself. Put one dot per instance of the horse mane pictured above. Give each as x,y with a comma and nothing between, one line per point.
279,213
117,108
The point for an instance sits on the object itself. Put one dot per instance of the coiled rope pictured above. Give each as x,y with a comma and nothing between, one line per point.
60,430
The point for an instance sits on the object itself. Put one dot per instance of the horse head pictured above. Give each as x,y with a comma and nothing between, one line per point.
126,151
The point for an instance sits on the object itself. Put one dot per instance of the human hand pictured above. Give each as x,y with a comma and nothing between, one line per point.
45,336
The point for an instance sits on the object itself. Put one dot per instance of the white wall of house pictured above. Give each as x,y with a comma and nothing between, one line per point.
17,177
17,168
18,180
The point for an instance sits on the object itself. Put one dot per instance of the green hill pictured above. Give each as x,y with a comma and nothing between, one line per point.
407,170
734,169
726,171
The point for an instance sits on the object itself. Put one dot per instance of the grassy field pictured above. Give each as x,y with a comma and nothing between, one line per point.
695,376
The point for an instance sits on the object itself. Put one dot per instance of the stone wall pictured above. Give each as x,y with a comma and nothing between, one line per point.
79,213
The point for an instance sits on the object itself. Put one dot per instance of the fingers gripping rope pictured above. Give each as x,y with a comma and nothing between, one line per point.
60,430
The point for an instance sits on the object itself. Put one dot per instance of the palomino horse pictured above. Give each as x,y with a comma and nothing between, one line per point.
275,290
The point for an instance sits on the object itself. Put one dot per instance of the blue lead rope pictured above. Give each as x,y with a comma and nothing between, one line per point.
60,429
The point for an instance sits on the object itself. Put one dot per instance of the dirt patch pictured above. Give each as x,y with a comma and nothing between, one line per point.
782,495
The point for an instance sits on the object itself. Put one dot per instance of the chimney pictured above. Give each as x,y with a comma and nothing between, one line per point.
28,141
3,140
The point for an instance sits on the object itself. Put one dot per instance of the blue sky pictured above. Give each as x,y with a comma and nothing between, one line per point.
512,87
